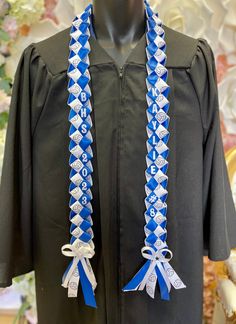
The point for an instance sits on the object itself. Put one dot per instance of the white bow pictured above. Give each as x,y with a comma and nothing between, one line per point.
71,279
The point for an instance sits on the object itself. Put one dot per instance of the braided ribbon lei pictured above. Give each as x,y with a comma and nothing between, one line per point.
157,267
81,247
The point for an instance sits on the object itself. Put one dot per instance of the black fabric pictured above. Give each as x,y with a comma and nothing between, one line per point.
34,197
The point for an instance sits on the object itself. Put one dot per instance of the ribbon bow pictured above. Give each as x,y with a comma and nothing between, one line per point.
80,268
156,268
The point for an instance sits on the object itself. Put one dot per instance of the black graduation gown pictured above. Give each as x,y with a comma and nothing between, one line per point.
34,197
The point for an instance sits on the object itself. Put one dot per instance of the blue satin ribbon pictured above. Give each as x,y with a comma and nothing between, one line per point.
80,162
137,279
157,166
81,246
86,287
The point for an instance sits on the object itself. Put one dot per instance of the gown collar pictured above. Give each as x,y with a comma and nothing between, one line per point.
180,50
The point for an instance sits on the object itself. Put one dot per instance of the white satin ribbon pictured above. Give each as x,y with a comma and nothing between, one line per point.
83,254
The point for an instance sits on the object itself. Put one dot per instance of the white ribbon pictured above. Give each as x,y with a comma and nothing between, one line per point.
79,253
162,262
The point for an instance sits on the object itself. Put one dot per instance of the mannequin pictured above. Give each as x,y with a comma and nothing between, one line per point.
118,34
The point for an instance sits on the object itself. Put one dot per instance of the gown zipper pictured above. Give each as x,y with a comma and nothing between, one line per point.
121,72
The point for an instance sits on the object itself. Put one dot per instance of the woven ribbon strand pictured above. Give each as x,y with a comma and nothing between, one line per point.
81,246
157,267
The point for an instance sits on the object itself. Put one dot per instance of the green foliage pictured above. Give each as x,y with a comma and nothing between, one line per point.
4,36
21,312
5,85
3,119
25,285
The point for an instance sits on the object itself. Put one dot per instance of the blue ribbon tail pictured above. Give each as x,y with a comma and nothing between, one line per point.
89,297
162,284
136,280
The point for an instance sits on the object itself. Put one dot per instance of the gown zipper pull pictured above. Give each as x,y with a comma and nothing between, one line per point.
121,71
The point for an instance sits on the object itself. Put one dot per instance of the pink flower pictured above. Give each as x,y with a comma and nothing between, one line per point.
10,26
222,66
4,101
49,8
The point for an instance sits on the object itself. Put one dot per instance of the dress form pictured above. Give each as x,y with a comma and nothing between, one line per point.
118,26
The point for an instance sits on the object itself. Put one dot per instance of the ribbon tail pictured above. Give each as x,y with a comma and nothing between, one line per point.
90,273
174,279
73,284
87,286
70,271
147,276
151,284
80,270
164,274
134,283
167,277
150,273
163,282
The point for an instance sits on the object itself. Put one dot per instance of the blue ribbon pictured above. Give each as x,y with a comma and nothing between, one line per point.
86,287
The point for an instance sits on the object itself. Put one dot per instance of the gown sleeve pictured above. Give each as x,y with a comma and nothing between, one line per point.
219,216
28,96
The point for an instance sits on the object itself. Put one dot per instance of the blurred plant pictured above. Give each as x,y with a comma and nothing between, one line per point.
26,12
2,141
16,17
4,80
25,285
5,92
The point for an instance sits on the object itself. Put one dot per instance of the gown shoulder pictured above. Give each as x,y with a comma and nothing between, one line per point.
180,50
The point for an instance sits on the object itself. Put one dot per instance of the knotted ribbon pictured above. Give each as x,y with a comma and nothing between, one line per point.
80,267
81,247
157,267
